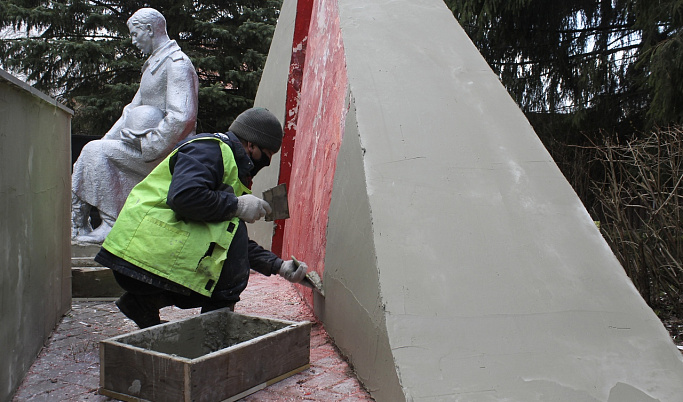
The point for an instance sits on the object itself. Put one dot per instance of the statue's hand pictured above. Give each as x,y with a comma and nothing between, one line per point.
127,136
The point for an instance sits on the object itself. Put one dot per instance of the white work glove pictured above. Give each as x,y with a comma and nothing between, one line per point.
251,208
292,271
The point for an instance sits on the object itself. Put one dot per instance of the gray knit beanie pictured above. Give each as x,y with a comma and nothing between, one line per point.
259,126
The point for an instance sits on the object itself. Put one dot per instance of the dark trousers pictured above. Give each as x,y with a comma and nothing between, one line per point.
232,281
158,298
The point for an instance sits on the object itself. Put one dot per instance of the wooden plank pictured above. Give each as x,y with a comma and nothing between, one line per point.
251,363
142,373
233,361
187,385
119,396
101,350
266,384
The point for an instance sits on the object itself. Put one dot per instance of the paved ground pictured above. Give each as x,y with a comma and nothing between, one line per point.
68,368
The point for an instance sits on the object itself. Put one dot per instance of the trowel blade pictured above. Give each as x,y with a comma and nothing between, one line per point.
312,280
277,198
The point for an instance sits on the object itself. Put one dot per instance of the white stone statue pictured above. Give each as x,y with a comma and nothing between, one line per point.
108,168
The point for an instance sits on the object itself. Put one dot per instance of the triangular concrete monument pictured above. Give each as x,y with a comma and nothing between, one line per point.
458,263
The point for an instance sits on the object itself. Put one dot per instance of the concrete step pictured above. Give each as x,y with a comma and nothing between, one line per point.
94,283
84,262
84,249
90,280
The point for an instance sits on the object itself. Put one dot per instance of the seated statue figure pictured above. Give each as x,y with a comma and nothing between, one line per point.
108,168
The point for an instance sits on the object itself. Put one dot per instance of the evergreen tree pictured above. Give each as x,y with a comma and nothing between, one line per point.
79,51
576,65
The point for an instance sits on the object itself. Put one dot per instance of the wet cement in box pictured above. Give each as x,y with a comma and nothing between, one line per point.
188,340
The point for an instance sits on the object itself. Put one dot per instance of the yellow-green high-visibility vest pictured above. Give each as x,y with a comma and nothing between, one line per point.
149,234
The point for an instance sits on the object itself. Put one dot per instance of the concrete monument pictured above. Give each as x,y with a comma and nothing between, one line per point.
108,168
458,263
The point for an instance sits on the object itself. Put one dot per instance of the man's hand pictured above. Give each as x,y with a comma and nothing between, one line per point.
251,208
293,271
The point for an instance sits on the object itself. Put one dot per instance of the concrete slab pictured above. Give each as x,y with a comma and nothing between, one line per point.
84,250
94,283
458,263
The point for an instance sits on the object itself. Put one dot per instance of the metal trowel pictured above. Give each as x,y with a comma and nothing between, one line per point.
311,280
277,198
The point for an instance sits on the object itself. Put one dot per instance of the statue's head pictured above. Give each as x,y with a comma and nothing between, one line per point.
147,28
141,119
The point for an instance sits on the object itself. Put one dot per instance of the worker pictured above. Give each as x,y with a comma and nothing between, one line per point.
181,237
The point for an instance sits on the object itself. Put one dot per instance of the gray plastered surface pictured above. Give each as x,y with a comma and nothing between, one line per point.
495,281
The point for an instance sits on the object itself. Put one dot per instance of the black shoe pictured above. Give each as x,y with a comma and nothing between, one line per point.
135,308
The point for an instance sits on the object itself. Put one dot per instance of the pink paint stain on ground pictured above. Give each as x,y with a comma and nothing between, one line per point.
330,378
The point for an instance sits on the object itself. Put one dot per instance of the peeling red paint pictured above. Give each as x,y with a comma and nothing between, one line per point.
319,128
296,70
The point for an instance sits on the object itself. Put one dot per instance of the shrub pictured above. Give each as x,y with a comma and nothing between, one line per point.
635,191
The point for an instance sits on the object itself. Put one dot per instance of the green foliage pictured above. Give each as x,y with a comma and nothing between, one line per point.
79,51
662,56
611,66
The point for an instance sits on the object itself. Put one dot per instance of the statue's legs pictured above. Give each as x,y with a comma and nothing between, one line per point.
80,217
98,234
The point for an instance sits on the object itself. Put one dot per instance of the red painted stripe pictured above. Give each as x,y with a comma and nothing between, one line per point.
320,127
296,72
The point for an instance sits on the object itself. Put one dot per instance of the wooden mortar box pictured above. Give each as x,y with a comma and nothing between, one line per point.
215,356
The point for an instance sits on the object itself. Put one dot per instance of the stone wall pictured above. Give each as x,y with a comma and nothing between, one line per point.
35,191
